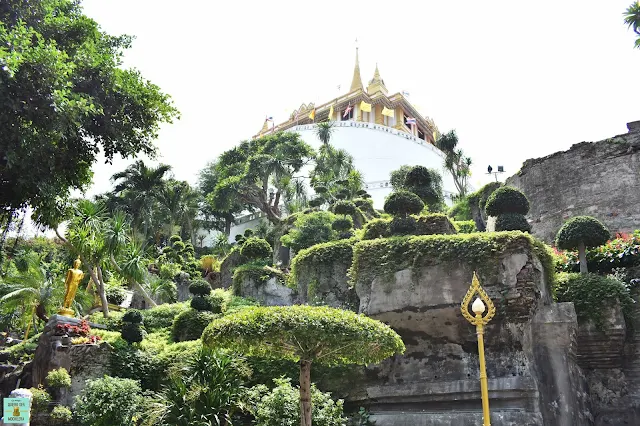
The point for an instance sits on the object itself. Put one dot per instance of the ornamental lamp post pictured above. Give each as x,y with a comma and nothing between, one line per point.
479,306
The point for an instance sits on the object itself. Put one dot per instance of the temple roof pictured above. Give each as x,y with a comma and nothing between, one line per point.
356,82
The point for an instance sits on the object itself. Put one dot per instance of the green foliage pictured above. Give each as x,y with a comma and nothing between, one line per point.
324,254
455,161
133,316
169,271
162,316
342,224
426,184
582,229
381,257
479,198
132,333
207,392
280,406
61,415
218,301
40,401
58,378
201,303
465,226
461,210
592,295
343,207
310,229
256,249
507,200
632,19
108,401
112,323
400,225
376,228
402,203
512,222
398,177
190,324
130,362
66,98
115,294
433,223
200,287
319,334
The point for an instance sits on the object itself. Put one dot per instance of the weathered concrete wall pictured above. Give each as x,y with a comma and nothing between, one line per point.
268,293
600,179
530,347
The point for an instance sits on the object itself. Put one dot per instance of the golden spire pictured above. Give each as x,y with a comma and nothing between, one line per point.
376,84
264,129
356,83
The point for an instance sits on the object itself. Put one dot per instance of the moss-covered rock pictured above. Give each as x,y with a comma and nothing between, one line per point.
435,223
263,283
320,273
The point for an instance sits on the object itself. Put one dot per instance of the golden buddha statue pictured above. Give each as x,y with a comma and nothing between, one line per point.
74,276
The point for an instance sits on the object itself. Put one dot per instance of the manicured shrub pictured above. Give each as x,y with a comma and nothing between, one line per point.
248,233
59,378
190,324
512,222
376,228
239,238
115,294
133,316
168,271
61,415
316,202
201,303
342,224
310,229
592,295
579,233
130,362
217,302
621,252
402,225
343,207
200,287
162,316
109,401
174,239
40,401
426,184
280,406
402,203
461,210
256,248
132,333
465,226
507,200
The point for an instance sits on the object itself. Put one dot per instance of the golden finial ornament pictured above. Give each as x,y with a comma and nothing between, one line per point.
481,305
356,81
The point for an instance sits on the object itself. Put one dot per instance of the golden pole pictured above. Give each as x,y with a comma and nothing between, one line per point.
478,307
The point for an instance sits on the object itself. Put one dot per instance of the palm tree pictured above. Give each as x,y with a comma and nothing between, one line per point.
455,161
139,186
632,19
324,132
181,204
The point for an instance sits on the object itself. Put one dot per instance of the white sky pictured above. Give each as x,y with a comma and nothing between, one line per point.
516,79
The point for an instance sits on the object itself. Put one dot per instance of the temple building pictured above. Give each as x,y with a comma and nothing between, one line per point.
382,132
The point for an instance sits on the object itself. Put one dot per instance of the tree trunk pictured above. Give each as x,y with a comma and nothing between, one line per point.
305,393
582,255
102,293
144,293
227,226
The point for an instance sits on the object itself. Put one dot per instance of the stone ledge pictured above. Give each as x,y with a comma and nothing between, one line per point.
498,418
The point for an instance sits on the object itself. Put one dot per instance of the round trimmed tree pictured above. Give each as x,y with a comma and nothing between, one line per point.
403,203
256,248
426,184
579,233
508,205
343,207
305,334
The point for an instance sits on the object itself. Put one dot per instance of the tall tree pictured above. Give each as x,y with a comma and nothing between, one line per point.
632,19
257,172
306,335
218,216
139,187
455,161
324,131
64,98
180,204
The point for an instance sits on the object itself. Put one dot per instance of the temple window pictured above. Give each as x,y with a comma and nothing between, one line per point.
349,116
420,134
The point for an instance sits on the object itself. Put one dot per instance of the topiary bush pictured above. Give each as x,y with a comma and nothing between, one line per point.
162,316
426,184
310,229
201,303
133,316
342,224
218,302
507,200
592,294
59,378
512,222
200,287
465,226
115,294
190,324
579,233
108,401
376,228
346,208
248,233
256,249
132,333
403,203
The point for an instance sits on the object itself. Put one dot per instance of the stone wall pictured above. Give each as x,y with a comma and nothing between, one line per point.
600,179
530,346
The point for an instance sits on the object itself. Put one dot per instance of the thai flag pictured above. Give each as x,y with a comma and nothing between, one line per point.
411,121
